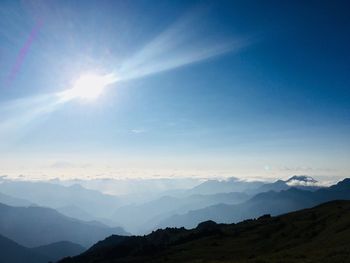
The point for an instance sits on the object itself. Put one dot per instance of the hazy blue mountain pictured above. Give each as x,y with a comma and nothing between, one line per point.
76,212
36,226
59,250
143,217
274,203
58,196
14,201
277,186
11,252
224,186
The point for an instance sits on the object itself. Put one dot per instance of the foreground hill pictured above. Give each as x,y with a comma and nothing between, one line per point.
36,226
271,202
320,234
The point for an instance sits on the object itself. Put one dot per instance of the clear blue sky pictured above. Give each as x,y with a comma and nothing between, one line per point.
241,88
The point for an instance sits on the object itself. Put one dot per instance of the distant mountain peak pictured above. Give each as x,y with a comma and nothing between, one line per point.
233,179
344,184
303,180
345,181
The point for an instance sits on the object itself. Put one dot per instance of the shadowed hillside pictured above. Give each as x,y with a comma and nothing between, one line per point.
11,252
294,237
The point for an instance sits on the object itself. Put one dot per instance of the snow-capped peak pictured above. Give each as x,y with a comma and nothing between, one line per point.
301,180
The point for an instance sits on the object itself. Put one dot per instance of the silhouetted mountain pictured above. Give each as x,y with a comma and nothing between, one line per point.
59,250
36,226
11,252
320,234
274,203
58,196
143,217
224,186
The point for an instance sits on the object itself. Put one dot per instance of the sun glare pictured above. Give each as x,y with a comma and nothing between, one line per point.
87,87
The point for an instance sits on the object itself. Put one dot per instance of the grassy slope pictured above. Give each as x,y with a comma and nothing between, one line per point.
320,234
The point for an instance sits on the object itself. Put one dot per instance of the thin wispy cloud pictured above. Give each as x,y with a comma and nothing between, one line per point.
138,131
67,165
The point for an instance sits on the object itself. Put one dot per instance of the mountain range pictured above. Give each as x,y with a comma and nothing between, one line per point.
144,217
271,202
138,216
56,196
48,234
320,234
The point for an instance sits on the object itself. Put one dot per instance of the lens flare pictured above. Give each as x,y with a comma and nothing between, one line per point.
87,87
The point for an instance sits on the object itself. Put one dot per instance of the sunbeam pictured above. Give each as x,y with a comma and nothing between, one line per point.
174,47
21,113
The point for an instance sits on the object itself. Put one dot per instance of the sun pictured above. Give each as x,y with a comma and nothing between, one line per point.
87,87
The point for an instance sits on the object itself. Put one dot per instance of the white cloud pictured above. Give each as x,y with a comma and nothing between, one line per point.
137,131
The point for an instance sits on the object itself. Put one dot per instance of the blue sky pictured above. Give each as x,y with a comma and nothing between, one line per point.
231,88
